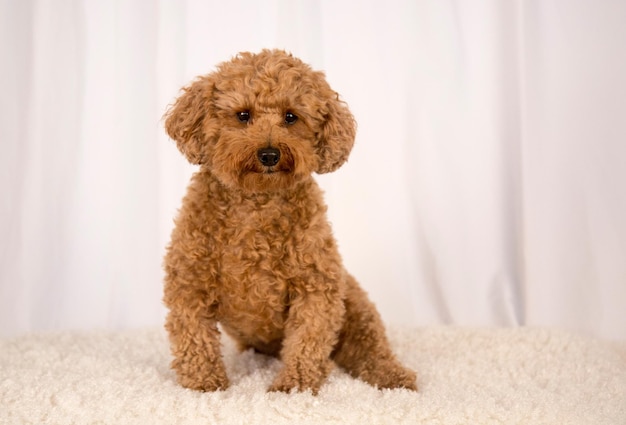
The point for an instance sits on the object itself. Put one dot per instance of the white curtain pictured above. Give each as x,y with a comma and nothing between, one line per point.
487,186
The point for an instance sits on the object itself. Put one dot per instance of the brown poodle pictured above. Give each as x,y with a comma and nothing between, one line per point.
252,248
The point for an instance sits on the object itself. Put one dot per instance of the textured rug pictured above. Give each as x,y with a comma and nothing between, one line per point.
466,376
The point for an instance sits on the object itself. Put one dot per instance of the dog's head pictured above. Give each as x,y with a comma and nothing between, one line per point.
262,122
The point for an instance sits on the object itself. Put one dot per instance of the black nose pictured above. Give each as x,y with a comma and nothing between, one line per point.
268,156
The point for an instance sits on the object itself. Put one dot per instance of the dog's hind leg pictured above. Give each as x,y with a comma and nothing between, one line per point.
363,349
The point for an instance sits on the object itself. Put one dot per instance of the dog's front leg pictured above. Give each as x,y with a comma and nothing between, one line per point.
191,323
195,344
311,330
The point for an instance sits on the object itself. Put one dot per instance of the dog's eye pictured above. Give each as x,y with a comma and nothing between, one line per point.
243,116
290,118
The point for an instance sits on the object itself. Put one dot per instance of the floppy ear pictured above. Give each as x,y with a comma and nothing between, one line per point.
336,139
188,120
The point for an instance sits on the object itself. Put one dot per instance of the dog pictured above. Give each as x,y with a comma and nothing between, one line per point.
252,248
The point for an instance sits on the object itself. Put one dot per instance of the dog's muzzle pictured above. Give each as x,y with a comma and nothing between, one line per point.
268,156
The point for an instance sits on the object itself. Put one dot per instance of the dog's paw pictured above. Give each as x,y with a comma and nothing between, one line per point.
403,378
393,376
302,375
207,384
286,383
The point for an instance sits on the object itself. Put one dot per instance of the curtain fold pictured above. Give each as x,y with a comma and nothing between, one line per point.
486,186
572,159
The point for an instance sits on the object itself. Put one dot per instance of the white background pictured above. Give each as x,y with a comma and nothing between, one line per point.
486,187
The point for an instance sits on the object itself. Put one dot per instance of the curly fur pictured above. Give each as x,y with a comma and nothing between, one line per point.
252,248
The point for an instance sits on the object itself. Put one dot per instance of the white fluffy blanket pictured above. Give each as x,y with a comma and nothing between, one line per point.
466,376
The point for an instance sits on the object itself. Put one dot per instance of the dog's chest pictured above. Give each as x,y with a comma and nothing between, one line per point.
261,237
263,248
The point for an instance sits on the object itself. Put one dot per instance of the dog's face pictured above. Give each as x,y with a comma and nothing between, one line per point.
262,122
